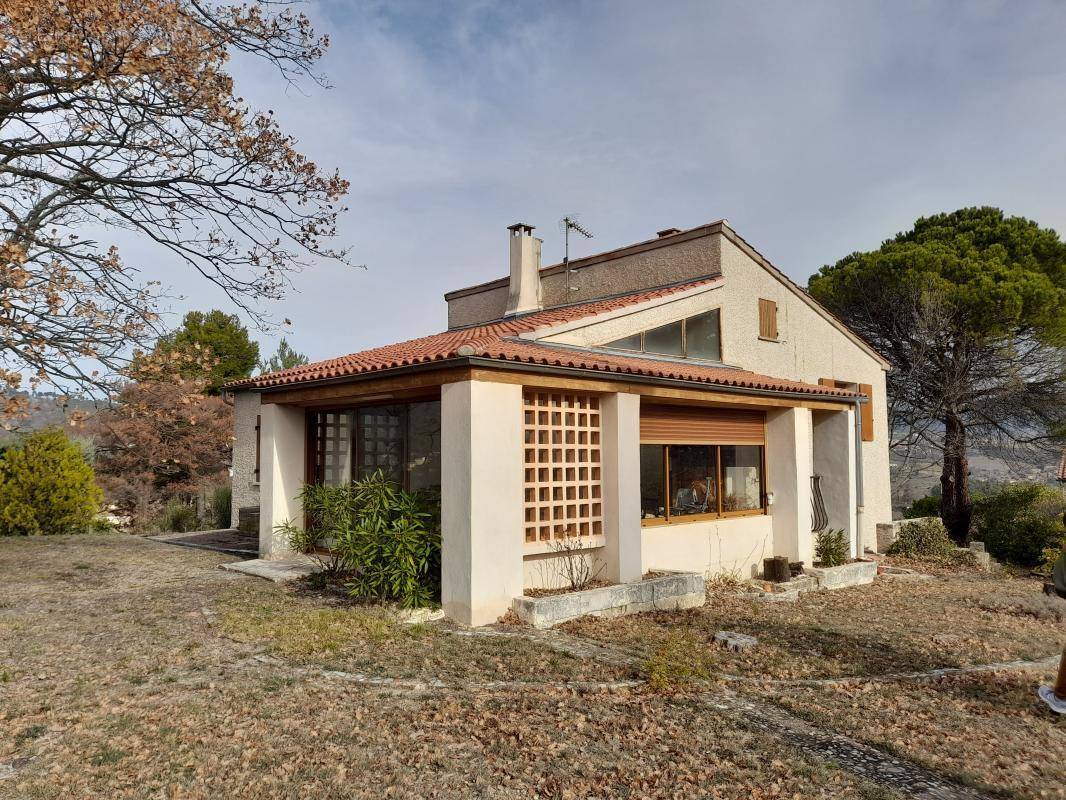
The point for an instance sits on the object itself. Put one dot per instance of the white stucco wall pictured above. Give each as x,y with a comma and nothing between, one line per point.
734,546
245,486
481,499
834,462
283,439
547,571
620,426
789,466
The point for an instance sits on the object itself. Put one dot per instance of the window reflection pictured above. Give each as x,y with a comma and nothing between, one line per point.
741,477
692,480
652,499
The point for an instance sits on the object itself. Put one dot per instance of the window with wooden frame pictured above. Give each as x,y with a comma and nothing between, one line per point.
767,319
701,463
699,337
866,408
402,440
562,470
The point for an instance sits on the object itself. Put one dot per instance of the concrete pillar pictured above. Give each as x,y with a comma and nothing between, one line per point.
620,424
282,460
789,466
834,461
481,499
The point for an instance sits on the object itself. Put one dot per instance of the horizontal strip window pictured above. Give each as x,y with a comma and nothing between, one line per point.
688,482
697,337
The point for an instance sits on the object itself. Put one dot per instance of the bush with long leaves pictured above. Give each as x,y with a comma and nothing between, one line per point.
387,539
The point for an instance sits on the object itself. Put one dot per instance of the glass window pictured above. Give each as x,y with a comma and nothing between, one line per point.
652,499
666,340
423,446
334,456
703,336
692,480
380,440
625,343
741,477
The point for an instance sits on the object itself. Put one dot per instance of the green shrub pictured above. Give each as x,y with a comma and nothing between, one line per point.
831,548
923,539
178,517
219,505
47,486
928,506
1019,522
385,538
393,547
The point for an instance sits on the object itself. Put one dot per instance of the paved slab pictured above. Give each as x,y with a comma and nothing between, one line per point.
221,540
279,570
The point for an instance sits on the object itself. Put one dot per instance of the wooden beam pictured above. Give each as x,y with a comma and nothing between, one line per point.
417,384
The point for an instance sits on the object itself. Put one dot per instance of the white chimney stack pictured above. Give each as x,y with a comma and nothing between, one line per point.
524,292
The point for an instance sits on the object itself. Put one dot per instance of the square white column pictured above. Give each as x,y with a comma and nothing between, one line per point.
482,519
620,424
834,462
282,461
789,466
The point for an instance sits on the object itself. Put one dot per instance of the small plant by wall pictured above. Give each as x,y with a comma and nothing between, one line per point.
575,564
831,548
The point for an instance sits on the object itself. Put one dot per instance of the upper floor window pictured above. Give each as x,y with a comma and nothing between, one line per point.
767,319
694,337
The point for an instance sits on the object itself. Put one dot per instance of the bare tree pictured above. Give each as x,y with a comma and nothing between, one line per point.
118,115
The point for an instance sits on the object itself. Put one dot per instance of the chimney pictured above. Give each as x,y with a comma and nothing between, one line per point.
524,294
668,232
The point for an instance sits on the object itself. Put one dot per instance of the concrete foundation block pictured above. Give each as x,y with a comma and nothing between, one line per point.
856,573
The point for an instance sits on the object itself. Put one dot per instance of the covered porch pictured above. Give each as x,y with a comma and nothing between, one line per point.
646,476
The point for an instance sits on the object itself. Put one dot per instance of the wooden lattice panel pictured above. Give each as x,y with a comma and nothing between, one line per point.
563,481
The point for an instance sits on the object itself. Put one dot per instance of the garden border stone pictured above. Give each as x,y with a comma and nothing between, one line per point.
857,573
671,592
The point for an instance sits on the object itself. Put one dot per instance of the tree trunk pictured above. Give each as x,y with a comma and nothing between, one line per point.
956,505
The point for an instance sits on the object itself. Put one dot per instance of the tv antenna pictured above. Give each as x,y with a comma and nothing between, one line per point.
570,223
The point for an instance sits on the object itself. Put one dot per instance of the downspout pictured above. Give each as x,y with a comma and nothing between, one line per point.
859,497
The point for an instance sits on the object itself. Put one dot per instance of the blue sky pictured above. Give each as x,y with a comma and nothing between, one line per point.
816,129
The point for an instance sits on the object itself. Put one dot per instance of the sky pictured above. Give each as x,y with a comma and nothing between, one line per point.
816,129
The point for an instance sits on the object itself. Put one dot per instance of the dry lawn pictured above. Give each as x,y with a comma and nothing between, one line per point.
890,626
985,729
129,669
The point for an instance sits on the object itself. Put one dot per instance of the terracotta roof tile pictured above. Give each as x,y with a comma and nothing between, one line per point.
498,340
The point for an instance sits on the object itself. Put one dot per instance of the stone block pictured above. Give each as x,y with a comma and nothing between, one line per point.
856,573
667,593
735,641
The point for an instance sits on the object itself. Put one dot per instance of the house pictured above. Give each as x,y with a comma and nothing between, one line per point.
676,404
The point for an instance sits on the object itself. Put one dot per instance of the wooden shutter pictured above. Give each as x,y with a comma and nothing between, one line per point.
866,412
258,436
767,319
693,425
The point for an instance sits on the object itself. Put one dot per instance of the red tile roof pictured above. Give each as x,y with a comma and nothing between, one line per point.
498,340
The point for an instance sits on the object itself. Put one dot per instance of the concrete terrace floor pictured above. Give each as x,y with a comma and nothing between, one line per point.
130,669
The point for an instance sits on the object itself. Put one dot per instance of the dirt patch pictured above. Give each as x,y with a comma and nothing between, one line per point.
566,589
123,680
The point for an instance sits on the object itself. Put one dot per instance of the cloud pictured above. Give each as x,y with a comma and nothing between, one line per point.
816,129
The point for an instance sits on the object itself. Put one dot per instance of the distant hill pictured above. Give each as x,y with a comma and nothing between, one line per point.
46,409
